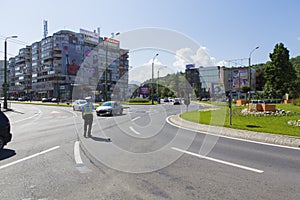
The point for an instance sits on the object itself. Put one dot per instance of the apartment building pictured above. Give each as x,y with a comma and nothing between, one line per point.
70,65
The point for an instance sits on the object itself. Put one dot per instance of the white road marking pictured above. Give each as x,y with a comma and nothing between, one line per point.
39,112
55,112
132,129
29,157
232,138
77,153
219,161
79,164
135,119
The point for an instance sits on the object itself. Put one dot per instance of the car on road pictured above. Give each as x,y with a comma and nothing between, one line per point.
77,105
166,99
110,108
5,135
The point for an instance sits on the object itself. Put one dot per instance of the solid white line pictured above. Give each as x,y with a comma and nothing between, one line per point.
77,153
232,138
135,119
29,157
219,161
39,112
132,129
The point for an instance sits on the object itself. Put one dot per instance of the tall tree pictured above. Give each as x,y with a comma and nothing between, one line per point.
280,75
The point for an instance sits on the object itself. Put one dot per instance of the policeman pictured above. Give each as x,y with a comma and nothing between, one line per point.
87,116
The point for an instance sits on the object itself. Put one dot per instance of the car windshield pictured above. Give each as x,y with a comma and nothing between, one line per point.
107,104
82,102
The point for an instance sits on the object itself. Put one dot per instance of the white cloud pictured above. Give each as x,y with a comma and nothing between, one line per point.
144,72
188,56
298,38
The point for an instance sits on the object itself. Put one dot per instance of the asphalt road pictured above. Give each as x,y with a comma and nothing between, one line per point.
146,158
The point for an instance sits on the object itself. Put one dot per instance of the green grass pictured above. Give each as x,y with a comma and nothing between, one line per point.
270,124
139,103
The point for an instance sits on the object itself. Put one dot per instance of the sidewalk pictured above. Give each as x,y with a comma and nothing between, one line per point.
237,133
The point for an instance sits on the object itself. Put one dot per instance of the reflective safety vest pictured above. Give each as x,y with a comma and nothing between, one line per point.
88,109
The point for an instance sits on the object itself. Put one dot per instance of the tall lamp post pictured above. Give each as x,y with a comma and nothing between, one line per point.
106,65
157,88
153,78
5,71
250,76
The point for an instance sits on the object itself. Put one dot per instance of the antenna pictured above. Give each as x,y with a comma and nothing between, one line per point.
45,28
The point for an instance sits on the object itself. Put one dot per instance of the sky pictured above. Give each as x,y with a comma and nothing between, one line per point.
205,32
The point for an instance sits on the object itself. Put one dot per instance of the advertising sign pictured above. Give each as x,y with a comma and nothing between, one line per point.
90,37
112,42
240,78
144,90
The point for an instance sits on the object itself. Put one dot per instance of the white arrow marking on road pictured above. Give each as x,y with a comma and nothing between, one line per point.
219,161
29,157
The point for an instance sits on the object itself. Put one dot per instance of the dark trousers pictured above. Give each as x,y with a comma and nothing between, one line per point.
88,122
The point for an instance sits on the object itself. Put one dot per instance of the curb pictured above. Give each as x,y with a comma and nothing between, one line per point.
237,133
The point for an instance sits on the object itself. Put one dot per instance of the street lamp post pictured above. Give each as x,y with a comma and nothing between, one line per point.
157,88
250,76
153,78
5,71
106,66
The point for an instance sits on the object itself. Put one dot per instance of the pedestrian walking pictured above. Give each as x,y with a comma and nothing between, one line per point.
87,116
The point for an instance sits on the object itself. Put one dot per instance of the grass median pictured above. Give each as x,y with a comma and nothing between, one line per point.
267,124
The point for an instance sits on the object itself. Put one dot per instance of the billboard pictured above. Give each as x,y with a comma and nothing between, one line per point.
112,42
240,78
144,90
90,37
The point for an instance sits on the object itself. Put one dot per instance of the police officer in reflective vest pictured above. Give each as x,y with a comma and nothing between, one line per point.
87,115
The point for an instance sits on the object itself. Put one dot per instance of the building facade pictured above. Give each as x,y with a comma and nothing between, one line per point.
70,65
1,77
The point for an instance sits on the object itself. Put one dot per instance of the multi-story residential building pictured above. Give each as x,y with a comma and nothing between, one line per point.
70,65
1,77
19,70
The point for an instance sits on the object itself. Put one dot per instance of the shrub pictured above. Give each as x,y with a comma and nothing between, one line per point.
138,100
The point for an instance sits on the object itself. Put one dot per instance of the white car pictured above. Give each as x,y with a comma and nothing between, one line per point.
77,105
110,108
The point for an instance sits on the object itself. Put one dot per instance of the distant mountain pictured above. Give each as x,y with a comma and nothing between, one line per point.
135,82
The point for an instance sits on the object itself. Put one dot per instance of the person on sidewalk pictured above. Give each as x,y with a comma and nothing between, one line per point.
87,116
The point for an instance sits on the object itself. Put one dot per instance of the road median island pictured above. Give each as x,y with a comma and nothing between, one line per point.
236,133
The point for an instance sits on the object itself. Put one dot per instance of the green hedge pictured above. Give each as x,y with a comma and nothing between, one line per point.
138,100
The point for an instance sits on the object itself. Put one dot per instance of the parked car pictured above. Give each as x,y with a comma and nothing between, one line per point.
177,101
55,100
110,108
5,135
166,99
46,99
77,105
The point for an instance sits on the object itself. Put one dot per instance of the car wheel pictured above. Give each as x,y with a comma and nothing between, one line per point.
73,108
121,111
1,143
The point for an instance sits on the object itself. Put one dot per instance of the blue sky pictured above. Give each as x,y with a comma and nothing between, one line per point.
224,29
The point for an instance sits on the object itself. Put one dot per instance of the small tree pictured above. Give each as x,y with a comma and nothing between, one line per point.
279,74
